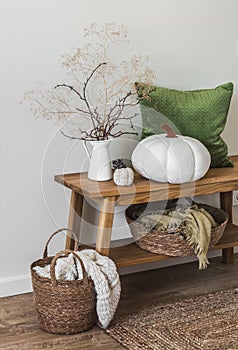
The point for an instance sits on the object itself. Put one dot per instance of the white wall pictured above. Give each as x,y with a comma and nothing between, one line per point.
192,44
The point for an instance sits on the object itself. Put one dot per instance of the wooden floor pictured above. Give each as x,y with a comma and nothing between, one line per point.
18,324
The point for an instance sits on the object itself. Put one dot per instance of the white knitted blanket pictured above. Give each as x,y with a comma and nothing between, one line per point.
102,271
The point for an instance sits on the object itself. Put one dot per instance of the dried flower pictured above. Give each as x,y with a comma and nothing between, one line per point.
100,93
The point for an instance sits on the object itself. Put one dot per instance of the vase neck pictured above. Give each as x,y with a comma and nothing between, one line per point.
101,143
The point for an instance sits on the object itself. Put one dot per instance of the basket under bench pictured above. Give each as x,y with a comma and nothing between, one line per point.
108,196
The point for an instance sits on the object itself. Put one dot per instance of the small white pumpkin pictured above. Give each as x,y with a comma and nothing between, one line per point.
122,176
171,158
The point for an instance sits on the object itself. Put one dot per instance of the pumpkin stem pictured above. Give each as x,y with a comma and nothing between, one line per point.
118,164
169,131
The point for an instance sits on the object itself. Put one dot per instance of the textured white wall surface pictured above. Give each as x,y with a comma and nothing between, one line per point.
192,44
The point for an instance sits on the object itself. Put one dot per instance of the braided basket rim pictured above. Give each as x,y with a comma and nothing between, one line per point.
68,308
163,242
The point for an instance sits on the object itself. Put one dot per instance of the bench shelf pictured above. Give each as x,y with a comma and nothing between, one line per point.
108,195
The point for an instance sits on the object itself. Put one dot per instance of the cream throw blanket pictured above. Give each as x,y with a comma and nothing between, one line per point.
102,271
194,224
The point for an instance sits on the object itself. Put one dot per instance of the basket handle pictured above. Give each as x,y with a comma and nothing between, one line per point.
76,243
65,253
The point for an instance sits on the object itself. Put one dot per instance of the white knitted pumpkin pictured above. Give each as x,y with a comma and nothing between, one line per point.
171,158
123,176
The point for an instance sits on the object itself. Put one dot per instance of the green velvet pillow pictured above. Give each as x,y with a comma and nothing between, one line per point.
200,114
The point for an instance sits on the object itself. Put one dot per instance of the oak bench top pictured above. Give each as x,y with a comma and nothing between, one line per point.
143,190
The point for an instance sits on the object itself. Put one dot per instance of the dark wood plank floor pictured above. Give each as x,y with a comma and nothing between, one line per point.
18,324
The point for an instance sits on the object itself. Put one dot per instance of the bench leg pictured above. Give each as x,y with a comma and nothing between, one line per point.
75,213
228,255
105,225
226,204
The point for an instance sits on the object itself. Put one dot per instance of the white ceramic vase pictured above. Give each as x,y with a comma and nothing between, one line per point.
100,164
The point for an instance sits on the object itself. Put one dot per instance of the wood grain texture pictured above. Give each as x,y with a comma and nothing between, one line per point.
105,225
74,221
143,190
124,252
19,328
226,204
228,255
128,255
223,180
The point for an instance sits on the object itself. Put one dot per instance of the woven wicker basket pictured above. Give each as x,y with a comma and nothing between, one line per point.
63,307
167,243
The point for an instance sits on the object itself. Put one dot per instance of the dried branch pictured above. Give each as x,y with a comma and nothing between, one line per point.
112,83
85,89
71,88
94,115
83,138
120,133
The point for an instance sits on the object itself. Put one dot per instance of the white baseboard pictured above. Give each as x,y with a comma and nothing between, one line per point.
15,285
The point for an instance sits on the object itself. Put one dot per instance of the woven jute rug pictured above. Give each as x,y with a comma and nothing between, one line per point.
207,322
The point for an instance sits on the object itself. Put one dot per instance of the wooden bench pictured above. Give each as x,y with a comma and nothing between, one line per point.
108,195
